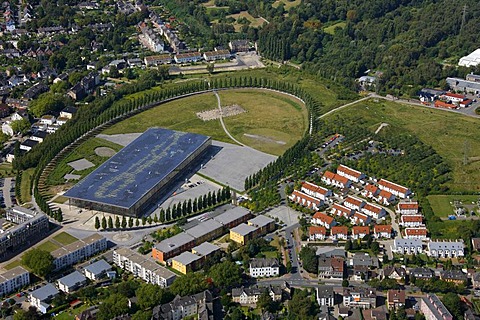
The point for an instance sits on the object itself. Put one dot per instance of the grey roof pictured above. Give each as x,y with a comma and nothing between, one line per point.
363,259
135,170
204,228
30,143
436,307
407,243
422,272
13,273
445,245
454,275
260,221
186,258
325,292
243,229
263,262
46,292
40,134
205,249
330,252
174,242
72,279
457,82
98,267
232,215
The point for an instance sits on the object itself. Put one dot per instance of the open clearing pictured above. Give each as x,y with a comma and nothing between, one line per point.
254,22
446,132
64,238
272,115
442,205
331,29
287,3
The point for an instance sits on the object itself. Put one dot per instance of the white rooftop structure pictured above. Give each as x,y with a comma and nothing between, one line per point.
472,60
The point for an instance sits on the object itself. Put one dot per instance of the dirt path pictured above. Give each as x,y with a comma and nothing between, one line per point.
221,120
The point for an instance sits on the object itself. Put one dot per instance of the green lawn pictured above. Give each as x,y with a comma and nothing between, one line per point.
60,199
85,150
331,29
48,246
270,254
448,133
442,205
287,125
25,188
287,3
13,264
65,238
71,313
6,170
447,229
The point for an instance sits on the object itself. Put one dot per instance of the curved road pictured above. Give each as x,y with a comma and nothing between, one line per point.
221,120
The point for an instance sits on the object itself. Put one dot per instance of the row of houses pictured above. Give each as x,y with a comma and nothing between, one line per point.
435,249
341,232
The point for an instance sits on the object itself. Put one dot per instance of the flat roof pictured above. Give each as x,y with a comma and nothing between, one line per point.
260,221
98,267
232,215
204,228
186,258
72,279
45,292
243,229
174,242
205,248
12,273
131,173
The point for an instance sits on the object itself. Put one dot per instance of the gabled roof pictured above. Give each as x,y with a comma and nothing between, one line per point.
388,270
393,186
342,208
339,230
264,262
420,231
314,188
360,216
372,208
413,205
317,230
360,230
371,188
349,171
323,217
385,194
378,228
396,296
412,218
353,200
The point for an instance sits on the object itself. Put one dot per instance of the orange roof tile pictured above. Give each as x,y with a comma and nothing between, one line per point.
323,217
354,201
416,231
339,230
372,208
408,205
360,230
412,218
382,228
317,230
349,171
393,186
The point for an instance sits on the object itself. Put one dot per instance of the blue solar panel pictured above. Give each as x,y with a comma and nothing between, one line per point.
127,176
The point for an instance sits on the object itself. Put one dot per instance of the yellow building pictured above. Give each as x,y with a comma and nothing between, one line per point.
242,233
186,262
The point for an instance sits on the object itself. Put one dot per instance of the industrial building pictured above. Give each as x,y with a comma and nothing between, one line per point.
132,180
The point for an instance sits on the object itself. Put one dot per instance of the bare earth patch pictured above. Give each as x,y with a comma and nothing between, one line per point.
214,114
104,152
263,138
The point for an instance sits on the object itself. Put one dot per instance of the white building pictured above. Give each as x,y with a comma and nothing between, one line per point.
41,297
411,221
341,211
353,203
13,280
407,246
472,60
410,207
396,189
336,180
446,249
315,191
306,200
264,267
416,233
325,296
97,270
374,211
71,282
323,220
144,268
79,251
350,173
317,233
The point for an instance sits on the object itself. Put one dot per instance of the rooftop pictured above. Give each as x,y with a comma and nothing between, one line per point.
131,173
204,228
205,249
260,221
98,267
174,242
186,258
72,279
243,229
232,215
46,292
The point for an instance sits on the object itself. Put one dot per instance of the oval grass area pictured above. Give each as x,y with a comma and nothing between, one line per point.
272,123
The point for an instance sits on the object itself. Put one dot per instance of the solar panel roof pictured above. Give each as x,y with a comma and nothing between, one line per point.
127,176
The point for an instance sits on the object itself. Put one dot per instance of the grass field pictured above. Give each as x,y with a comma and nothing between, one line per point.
446,132
6,170
85,150
254,22
65,238
287,3
25,188
60,199
48,246
442,205
71,313
13,264
288,125
331,29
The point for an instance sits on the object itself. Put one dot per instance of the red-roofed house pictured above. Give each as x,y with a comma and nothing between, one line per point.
336,180
315,191
465,103
453,97
353,203
339,232
416,233
322,219
382,231
407,207
350,173
317,233
358,232
411,220
441,104
360,219
306,200
370,191
374,211
342,211
396,189
385,198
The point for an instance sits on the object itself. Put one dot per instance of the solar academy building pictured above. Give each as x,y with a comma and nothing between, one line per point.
134,178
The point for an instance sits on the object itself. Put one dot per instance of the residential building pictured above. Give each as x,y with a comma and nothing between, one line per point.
323,220
145,268
339,233
350,173
333,179
28,144
249,296
186,262
382,231
416,233
407,246
395,299
41,297
239,45
444,105
68,112
413,220
363,259
433,309
39,136
325,296
331,267
47,119
157,60
71,282
264,267
205,231
216,55
78,251
422,273
384,197
13,280
242,233
97,270
172,247
360,297
306,200
315,191
476,280
199,305
359,232
317,233
397,273
453,97
187,57
29,228
410,207
353,203
455,276
374,211
233,217
396,189
341,211
446,249
370,191
360,219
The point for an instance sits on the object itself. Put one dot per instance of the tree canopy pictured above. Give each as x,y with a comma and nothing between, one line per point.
226,274
39,261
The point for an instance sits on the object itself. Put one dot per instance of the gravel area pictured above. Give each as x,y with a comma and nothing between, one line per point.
81,164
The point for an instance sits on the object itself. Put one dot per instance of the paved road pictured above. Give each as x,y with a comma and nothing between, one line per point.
6,192
394,222
296,269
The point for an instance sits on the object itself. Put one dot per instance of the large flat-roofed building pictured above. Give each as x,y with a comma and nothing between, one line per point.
13,280
192,261
143,267
263,223
173,246
242,233
29,227
133,179
233,217
206,231
78,251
